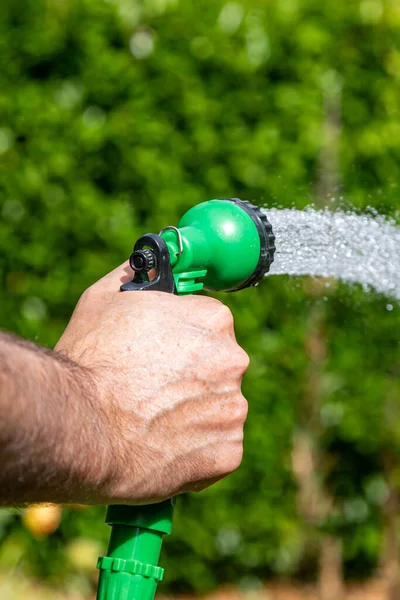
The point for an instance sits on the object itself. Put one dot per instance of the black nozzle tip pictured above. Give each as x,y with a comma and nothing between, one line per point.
142,261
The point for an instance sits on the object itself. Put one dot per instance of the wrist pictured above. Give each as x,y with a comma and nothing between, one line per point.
88,439
56,429
117,459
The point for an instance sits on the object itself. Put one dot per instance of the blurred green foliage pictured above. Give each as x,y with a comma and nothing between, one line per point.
116,117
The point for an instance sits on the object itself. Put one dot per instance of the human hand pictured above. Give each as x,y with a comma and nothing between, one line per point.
165,377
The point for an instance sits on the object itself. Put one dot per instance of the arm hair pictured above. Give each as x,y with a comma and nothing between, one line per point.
52,434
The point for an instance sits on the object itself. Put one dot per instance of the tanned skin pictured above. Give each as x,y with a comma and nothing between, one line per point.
141,400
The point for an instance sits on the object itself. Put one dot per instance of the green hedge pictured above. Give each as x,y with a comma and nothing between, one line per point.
117,116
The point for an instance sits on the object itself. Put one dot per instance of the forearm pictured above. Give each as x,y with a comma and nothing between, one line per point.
51,433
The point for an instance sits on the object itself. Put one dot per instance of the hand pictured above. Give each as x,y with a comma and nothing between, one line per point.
166,373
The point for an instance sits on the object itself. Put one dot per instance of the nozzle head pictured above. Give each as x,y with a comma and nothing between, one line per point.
230,239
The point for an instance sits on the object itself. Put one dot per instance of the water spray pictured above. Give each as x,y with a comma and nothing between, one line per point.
219,245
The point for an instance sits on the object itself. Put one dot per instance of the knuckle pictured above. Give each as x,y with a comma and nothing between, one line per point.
225,315
238,360
236,459
242,409
237,414
217,315
87,295
232,460
243,359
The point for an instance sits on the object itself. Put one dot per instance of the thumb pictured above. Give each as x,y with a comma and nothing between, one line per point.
113,280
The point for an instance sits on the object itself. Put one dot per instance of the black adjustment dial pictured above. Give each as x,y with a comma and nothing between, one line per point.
142,261
267,241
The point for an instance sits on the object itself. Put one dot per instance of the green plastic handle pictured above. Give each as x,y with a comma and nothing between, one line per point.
130,570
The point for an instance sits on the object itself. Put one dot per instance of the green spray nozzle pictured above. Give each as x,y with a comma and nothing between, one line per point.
221,245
